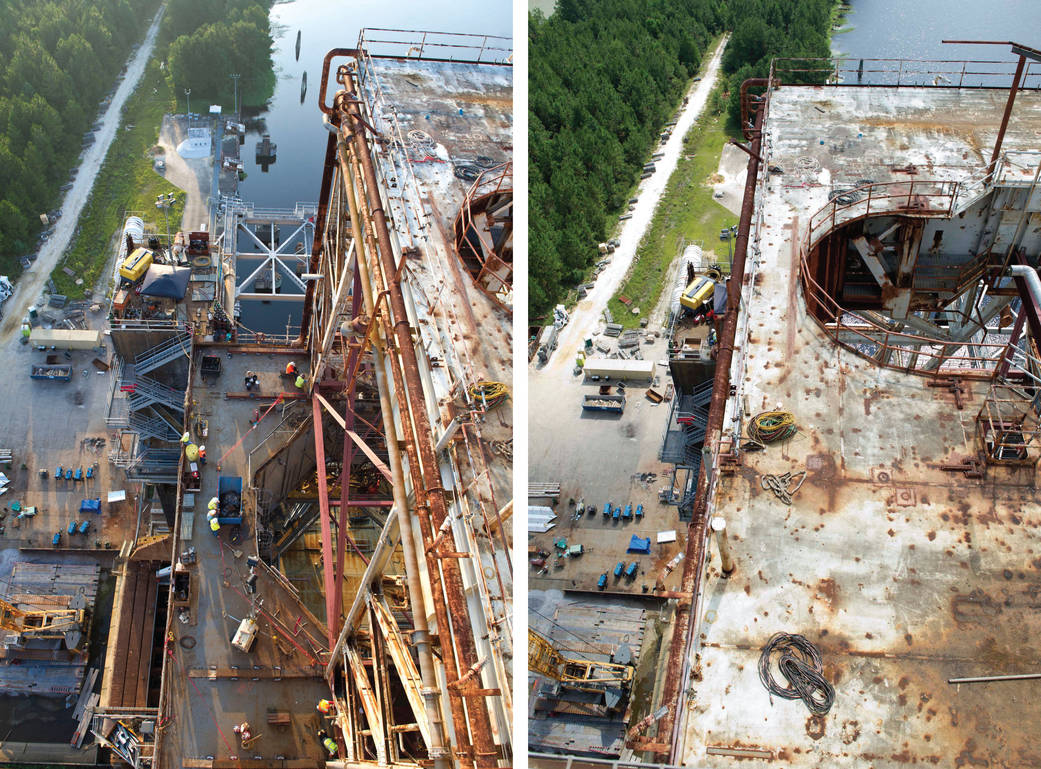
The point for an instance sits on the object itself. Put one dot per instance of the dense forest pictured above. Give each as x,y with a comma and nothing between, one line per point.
210,40
57,61
604,75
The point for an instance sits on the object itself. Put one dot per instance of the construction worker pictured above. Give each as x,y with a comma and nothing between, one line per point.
324,707
202,456
214,525
213,503
290,369
300,382
186,438
243,730
328,742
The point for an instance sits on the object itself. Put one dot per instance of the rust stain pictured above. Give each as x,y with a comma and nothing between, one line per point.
977,606
828,589
816,726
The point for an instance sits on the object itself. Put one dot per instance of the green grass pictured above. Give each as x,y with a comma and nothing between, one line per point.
687,213
125,183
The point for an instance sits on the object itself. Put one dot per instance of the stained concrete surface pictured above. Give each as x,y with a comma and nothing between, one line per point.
44,424
904,575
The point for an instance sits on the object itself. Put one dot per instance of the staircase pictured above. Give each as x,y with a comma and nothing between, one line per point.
164,352
692,414
145,391
152,427
155,465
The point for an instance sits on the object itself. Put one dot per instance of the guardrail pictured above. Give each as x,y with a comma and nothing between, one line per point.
900,350
901,73
424,44
910,198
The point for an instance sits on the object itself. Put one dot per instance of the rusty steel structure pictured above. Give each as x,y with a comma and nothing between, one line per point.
876,275
484,233
419,664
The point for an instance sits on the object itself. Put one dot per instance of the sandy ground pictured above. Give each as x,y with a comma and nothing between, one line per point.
733,167
587,313
30,285
191,175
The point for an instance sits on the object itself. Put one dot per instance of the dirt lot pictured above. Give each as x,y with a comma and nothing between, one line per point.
600,458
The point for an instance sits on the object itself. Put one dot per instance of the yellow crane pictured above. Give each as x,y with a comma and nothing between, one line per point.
590,675
65,624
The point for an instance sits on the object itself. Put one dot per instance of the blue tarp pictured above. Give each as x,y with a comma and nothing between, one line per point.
165,280
90,506
639,545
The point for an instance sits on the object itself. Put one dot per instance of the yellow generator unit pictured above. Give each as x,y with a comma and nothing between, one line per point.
699,291
136,265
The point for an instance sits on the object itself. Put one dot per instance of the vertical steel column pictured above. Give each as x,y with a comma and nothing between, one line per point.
1004,119
348,444
684,622
319,235
323,507
448,657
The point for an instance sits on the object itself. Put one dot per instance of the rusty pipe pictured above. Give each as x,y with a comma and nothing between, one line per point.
438,749
457,710
354,53
485,749
992,166
319,234
683,625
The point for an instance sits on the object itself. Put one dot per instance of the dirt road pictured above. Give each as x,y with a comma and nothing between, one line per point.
32,282
587,313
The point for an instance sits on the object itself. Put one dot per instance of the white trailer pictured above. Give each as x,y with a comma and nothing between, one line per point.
620,369
65,338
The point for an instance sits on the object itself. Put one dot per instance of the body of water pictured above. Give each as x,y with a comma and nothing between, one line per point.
295,126
913,29
293,120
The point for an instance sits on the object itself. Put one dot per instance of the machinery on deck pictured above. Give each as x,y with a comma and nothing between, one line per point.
572,672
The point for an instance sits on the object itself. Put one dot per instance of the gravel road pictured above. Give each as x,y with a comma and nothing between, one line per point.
586,315
32,282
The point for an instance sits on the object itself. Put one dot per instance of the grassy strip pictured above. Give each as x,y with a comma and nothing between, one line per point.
687,213
126,183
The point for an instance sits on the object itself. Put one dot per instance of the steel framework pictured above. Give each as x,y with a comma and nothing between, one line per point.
419,668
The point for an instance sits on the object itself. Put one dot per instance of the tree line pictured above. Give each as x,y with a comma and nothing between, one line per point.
211,40
57,60
604,76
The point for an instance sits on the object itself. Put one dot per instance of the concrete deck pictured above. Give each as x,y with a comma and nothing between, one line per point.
45,424
904,575
212,686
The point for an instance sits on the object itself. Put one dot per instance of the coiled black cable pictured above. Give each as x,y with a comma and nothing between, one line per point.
800,663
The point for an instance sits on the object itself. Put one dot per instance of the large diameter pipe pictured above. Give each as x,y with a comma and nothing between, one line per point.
683,626
726,557
485,749
1033,281
408,442
1032,302
421,631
